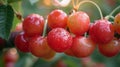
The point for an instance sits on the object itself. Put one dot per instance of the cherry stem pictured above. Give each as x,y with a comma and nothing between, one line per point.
85,34
73,3
114,11
111,14
18,15
45,27
108,17
82,2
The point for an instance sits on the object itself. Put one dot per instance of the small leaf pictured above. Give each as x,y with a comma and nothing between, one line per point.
6,20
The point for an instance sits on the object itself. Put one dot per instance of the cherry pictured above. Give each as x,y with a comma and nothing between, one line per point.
57,18
21,42
19,27
78,23
33,24
82,46
110,49
59,39
117,23
38,46
102,31
10,55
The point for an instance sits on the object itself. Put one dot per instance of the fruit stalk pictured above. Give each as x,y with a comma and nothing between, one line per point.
44,29
82,2
114,11
111,14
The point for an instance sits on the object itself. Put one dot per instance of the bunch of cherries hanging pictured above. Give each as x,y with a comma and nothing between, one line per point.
71,34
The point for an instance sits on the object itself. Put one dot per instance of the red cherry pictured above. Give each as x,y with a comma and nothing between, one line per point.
101,31
38,46
110,49
21,42
59,39
10,55
82,46
78,23
33,25
117,23
57,18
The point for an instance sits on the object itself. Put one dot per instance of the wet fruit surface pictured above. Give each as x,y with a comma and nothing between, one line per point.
33,24
59,39
102,31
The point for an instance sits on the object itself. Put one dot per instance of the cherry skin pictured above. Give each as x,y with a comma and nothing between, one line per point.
102,31
21,42
69,52
38,46
82,46
110,49
117,23
10,55
57,18
33,25
49,56
78,23
59,39
18,27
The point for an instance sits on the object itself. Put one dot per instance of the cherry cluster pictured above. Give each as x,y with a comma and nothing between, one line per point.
72,34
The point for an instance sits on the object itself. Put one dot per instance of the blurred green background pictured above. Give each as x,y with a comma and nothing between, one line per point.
44,7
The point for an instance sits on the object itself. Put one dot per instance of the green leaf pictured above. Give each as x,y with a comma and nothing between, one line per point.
6,20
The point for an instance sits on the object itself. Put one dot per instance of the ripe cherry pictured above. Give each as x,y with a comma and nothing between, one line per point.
57,18
82,46
10,55
38,46
21,42
59,39
33,25
102,31
117,23
110,49
78,23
